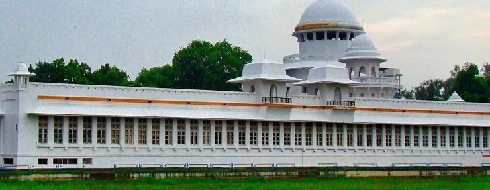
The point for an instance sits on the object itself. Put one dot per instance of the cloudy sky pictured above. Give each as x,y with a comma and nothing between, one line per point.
423,38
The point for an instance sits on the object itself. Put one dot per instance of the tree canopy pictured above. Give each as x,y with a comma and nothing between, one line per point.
471,83
199,65
202,65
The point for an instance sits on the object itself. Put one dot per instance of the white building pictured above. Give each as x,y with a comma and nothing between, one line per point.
331,103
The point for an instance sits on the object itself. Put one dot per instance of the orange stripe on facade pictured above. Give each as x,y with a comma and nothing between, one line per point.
203,103
486,156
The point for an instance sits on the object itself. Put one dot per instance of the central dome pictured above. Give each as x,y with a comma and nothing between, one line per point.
328,11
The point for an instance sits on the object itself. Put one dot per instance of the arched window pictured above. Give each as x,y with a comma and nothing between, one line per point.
362,72
373,71
273,91
317,91
338,95
351,72
252,88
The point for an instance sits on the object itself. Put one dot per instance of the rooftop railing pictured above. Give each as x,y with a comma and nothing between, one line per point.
340,103
377,80
277,100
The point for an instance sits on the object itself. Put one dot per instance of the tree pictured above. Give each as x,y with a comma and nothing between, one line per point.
470,85
160,77
467,81
202,65
77,73
408,94
53,72
430,90
109,75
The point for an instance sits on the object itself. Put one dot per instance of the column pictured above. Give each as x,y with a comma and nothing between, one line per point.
271,140
293,131
465,135
448,145
354,135
281,134
303,134
313,134
65,130
344,135
162,131
80,130
94,130
213,130
429,130
383,136
259,134
473,137
174,132
421,138
135,131
324,136
247,134
108,131
402,136
412,141
334,135
481,137
235,133
122,128
438,136
456,137
50,130
187,132
223,134
149,131
199,132
364,136
393,138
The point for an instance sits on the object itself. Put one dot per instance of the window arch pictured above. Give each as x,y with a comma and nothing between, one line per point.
362,72
252,88
337,95
351,70
317,91
273,91
373,71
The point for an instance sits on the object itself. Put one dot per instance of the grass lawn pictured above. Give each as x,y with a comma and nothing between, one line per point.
459,183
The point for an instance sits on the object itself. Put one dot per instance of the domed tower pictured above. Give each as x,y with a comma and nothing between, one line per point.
324,33
363,60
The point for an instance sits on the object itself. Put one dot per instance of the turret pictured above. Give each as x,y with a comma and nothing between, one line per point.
331,83
21,76
267,79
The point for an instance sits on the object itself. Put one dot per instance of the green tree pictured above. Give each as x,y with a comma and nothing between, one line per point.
160,77
430,90
53,72
202,65
470,85
77,73
408,94
110,75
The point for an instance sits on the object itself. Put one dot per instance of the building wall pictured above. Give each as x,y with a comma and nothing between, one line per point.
21,142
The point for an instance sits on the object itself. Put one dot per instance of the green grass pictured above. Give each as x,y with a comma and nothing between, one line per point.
459,183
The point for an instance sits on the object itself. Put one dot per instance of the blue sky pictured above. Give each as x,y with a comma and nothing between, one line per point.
422,38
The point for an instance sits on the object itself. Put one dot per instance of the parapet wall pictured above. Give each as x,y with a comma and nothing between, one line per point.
419,104
139,92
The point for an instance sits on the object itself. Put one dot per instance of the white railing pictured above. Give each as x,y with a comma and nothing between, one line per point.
297,57
377,80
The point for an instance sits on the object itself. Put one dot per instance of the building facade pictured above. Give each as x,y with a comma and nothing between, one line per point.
308,111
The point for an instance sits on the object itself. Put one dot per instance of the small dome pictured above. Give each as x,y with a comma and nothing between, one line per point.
328,11
21,70
455,98
362,47
363,41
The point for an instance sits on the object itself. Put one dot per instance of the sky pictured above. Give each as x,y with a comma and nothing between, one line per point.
422,38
